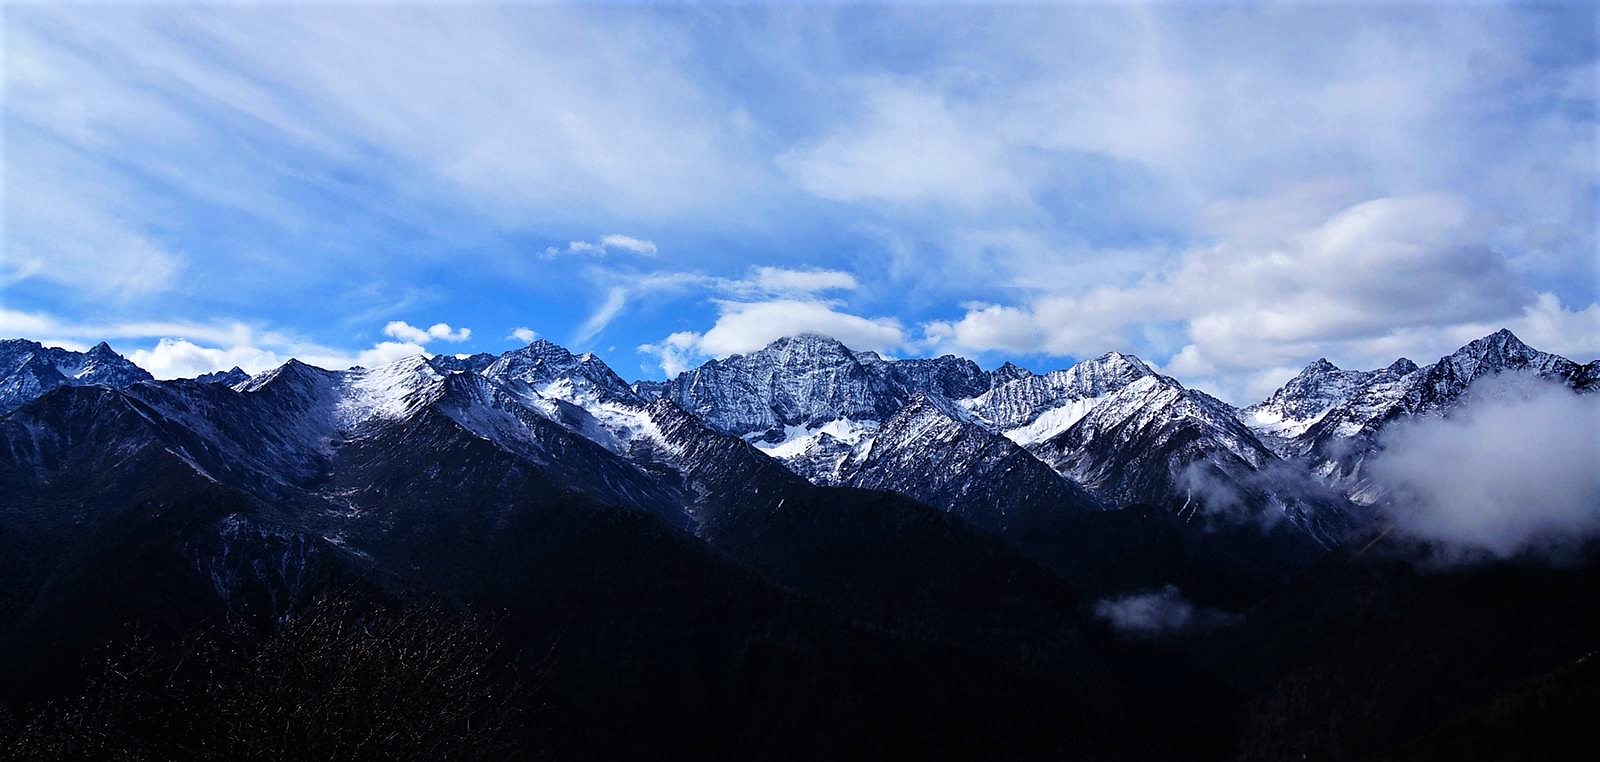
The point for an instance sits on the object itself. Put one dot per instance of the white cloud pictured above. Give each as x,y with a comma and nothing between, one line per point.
39,324
186,349
1516,468
1076,326
606,244
443,332
779,280
747,326
1040,162
1158,613
545,125
676,353
616,299
523,334
628,243
1369,283
385,352
72,228
764,282
404,331
16,323
1549,326
912,144
181,358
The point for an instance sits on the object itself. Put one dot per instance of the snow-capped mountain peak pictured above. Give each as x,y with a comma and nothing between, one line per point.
1334,418
1304,399
554,371
29,369
292,373
1031,408
799,380
392,391
1009,372
1499,351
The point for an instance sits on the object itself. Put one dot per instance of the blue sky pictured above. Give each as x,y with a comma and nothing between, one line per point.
1229,191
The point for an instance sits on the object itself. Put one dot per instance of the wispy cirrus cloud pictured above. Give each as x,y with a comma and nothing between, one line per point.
607,244
759,284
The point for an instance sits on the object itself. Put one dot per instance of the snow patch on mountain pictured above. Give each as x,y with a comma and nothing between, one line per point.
1032,408
795,440
1052,421
391,392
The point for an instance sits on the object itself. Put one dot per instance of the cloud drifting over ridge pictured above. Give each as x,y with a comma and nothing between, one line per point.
1390,267
1516,469
769,303
760,285
747,326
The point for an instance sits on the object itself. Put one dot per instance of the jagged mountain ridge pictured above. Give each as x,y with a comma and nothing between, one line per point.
1334,419
555,372
1157,442
1110,424
823,410
1032,408
29,369
936,452
230,377
797,381
1134,446
806,380
1312,393
840,417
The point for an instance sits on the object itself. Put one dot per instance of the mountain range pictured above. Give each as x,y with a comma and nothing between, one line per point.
806,488
993,447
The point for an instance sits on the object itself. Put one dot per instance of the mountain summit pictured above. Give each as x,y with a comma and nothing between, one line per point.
29,369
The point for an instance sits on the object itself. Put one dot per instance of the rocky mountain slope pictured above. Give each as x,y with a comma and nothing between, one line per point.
826,412
1334,419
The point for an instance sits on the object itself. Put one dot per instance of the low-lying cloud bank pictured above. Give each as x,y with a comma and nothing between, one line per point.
1158,613
1515,470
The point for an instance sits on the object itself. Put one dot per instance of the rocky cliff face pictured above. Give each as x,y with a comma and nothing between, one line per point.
1032,408
934,451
